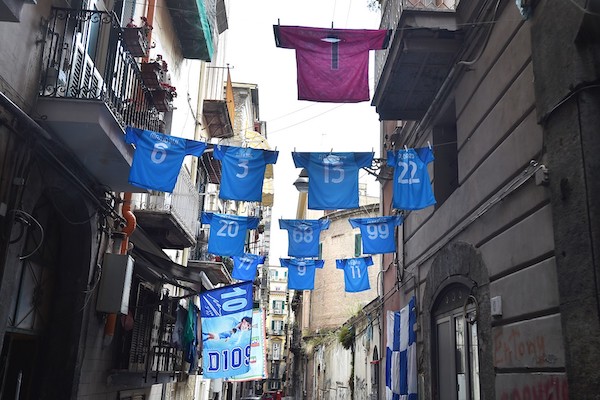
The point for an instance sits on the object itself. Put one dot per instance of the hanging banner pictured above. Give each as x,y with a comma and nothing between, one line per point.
258,362
226,330
401,354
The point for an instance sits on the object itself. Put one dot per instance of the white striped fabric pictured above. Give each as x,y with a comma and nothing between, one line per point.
401,354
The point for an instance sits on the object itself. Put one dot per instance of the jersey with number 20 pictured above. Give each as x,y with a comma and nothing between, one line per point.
332,178
303,235
243,171
227,232
356,278
412,186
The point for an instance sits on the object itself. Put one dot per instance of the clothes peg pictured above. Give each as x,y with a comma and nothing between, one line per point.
405,148
429,144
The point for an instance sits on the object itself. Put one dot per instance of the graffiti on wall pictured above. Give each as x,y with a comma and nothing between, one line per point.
549,388
511,346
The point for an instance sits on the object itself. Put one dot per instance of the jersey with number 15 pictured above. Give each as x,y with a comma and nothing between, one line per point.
377,233
412,186
303,235
301,272
332,178
227,232
243,171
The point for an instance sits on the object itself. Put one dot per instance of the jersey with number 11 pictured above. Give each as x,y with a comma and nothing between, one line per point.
227,232
356,278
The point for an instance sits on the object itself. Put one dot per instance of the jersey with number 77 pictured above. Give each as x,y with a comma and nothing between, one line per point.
303,235
227,232
244,266
243,171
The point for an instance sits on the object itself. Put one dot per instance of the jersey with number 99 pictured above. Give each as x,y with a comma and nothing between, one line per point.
243,171
356,278
412,186
332,178
227,232
377,233
301,272
303,235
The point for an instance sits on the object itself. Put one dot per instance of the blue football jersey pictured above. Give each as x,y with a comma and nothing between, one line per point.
356,278
377,233
158,157
227,232
412,186
301,272
303,235
243,171
244,266
332,178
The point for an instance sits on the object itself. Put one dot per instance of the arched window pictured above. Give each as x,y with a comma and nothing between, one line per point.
455,348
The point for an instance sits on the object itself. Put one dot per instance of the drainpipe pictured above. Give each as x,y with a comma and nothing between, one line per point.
111,319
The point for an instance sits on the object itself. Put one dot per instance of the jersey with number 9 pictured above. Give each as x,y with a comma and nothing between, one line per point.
301,272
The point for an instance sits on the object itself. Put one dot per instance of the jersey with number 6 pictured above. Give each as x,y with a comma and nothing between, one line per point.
356,278
303,235
412,186
332,178
301,272
377,233
227,232
243,171
158,157
244,266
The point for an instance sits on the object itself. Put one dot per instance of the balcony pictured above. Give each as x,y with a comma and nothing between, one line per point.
170,219
276,332
91,88
422,50
278,312
193,29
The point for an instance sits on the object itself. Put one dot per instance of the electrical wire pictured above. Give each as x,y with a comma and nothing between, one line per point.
583,9
30,218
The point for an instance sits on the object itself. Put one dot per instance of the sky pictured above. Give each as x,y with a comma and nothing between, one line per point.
294,125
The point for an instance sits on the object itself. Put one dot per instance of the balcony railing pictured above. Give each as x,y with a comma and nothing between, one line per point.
392,12
85,58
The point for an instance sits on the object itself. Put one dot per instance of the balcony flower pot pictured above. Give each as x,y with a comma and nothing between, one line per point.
151,74
136,41
162,100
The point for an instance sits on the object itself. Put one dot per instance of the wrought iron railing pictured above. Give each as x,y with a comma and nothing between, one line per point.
390,17
85,58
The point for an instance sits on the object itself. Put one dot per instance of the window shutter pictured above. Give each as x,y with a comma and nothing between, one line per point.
357,245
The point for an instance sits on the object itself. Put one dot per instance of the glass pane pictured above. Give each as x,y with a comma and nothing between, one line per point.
461,381
474,350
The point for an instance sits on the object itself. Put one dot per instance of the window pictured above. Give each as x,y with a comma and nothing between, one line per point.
357,245
455,346
445,166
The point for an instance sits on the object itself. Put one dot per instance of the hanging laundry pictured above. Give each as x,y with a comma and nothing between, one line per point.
303,235
227,232
377,233
244,266
401,354
243,171
356,277
226,330
332,178
412,186
301,272
158,157
190,337
332,64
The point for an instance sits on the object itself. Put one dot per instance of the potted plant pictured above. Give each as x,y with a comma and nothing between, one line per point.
136,38
162,98
155,72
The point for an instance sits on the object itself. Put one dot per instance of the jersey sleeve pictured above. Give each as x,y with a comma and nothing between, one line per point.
194,147
301,160
355,222
206,218
368,260
132,135
363,159
340,264
253,222
319,263
270,156
219,152
425,154
398,220
379,39
391,158
324,224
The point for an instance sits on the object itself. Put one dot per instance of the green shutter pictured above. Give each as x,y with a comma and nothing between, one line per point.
357,245
320,250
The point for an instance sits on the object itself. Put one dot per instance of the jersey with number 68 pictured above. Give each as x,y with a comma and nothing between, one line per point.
158,157
356,278
412,186
301,272
243,171
303,235
332,178
227,232
377,233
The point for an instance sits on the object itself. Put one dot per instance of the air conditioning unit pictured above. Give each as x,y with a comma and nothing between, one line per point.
115,284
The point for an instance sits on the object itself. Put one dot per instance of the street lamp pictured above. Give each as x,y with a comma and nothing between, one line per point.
302,182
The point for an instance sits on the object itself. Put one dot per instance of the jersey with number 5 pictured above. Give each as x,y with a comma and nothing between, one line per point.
412,186
356,278
243,171
244,266
332,178
158,157
301,272
227,232
303,235
377,233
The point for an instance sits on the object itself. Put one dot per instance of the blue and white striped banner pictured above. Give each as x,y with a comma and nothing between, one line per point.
401,354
